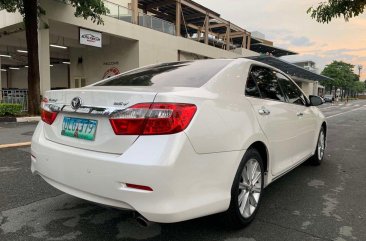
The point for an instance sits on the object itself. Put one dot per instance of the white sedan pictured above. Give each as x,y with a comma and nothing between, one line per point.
180,140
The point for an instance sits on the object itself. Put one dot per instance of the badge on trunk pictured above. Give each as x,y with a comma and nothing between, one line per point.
76,103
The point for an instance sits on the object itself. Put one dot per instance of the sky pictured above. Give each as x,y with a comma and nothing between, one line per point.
286,23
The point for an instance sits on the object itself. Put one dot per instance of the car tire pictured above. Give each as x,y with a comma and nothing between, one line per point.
318,156
250,191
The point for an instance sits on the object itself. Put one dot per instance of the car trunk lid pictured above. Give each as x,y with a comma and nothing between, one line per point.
88,126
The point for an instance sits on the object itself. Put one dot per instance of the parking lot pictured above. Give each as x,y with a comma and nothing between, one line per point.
309,203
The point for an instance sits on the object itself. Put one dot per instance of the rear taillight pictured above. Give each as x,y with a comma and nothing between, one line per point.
153,119
48,116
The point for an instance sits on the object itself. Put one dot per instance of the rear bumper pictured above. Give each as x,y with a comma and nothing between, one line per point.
185,185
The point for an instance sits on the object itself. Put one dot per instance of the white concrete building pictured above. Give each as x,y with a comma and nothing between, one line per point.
134,34
74,52
316,87
308,65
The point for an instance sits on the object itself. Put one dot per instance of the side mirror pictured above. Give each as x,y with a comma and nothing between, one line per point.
315,100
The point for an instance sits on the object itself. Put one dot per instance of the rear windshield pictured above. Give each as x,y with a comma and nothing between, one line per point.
176,74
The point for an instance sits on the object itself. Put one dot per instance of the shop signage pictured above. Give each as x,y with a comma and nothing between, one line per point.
111,72
91,38
111,63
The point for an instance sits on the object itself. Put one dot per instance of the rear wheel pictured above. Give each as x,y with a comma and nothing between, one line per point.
246,190
318,157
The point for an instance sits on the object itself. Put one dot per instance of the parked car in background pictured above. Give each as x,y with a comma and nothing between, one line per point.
181,140
328,98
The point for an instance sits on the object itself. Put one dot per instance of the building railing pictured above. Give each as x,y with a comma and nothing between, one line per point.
119,12
145,20
156,24
15,96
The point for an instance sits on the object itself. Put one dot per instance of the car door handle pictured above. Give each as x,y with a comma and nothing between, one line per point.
300,114
264,111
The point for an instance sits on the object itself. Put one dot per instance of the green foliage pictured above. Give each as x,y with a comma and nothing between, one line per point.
340,72
326,11
12,5
89,8
358,87
342,77
83,8
10,109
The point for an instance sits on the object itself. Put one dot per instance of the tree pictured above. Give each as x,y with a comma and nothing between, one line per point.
347,9
341,75
30,10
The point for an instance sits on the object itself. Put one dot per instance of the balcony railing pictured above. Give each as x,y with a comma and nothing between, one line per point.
156,24
145,20
15,96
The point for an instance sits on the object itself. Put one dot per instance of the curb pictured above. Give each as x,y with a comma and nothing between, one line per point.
20,119
28,119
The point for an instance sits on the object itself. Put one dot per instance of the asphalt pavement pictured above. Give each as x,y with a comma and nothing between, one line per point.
309,203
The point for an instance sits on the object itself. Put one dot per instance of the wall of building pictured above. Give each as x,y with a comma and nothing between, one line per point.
59,76
95,63
9,19
308,88
3,80
130,46
154,45
183,56
19,78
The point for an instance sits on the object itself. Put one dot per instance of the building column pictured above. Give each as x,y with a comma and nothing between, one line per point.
44,59
135,11
249,40
207,23
244,43
228,32
199,33
178,18
1,94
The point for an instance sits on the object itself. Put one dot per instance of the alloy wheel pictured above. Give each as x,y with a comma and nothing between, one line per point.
321,145
250,188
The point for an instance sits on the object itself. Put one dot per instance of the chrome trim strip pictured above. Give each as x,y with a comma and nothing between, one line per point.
88,110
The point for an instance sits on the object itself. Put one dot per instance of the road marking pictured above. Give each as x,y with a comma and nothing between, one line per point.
343,113
20,144
328,107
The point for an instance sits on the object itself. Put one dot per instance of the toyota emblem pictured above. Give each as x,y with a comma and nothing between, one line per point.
76,103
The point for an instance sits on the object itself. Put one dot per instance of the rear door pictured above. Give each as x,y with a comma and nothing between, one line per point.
304,117
275,118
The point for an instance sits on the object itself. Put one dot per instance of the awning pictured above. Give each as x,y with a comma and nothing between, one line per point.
265,48
289,68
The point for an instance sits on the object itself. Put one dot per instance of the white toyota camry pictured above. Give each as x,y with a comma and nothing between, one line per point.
180,140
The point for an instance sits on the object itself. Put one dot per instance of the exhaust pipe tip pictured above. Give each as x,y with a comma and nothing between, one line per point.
142,221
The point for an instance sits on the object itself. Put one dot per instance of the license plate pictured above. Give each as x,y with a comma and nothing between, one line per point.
79,128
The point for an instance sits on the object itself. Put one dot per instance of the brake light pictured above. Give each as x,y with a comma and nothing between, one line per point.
153,119
139,187
48,116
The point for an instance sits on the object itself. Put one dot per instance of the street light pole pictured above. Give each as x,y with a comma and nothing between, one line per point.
360,67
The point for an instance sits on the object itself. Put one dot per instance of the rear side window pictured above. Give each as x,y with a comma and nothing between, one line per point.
251,88
176,74
267,83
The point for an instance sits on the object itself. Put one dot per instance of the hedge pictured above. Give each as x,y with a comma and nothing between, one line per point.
10,109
